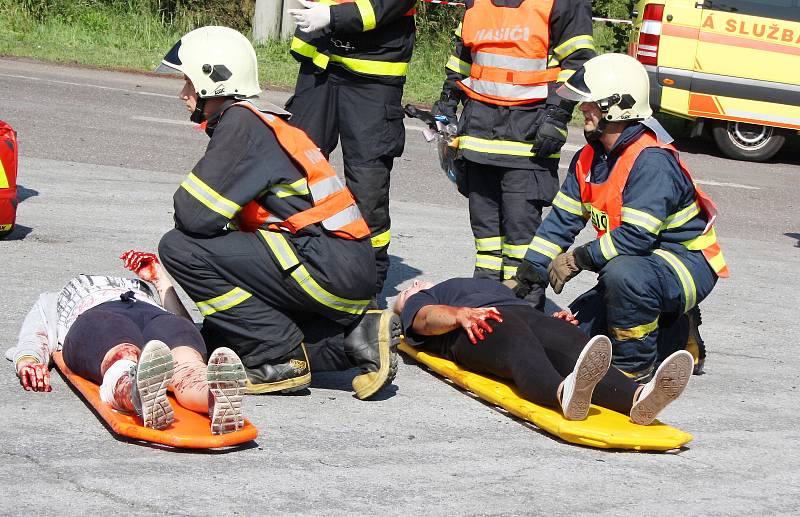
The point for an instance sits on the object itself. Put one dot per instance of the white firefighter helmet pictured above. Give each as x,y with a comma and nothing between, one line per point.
618,84
219,61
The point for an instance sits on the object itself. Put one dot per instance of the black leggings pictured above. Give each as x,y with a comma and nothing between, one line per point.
109,324
536,352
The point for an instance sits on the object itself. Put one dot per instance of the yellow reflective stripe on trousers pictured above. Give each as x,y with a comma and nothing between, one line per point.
571,45
298,188
370,67
3,176
641,219
367,14
681,217
316,291
310,51
638,332
568,204
607,247
281,249
489,244
546,248
514,250
684,276
509,272
489,262
382,239
458,66
206,195
508,147
224,302
287,258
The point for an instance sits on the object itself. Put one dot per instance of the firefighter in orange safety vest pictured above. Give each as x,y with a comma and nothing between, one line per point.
509,59
268,242
354,56
656,250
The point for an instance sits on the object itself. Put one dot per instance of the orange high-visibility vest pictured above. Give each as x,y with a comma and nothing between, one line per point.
333,205
509,48
606,198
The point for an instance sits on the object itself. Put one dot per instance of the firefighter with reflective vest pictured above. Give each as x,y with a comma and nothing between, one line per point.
354,57
268,242
656,250
509,58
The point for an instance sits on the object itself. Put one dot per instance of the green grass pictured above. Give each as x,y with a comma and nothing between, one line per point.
128,35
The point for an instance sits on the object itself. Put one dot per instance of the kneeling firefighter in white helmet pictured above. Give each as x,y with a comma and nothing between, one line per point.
268,242
656,251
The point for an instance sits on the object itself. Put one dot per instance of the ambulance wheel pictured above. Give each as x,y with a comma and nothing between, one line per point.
748,142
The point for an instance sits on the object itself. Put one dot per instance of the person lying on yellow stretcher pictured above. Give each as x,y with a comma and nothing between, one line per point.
483,327
134,343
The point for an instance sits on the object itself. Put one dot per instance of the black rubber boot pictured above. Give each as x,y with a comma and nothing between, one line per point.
290,374
372,346
695,344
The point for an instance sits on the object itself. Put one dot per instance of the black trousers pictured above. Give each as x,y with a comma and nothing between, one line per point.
109,324
505,211
536,352
249,303
368,118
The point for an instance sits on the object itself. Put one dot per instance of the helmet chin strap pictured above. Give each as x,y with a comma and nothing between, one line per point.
198,115
595,134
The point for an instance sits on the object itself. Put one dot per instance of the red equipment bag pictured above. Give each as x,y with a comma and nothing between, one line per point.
8,179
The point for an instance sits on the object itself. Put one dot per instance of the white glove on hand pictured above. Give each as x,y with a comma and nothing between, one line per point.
314,17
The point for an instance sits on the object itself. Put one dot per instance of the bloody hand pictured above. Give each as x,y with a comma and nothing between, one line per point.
144,264
474,321
566,316
35,377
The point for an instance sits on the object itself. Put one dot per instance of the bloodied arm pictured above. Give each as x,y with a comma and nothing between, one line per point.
148,268
36,343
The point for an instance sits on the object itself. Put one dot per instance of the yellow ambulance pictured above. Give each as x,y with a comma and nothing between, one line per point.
732,64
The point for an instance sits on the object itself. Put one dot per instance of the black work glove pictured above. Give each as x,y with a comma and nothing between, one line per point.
447,107
526,281
552,132
566,266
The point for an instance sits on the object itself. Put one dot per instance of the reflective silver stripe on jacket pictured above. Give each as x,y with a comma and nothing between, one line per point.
504,90
519,64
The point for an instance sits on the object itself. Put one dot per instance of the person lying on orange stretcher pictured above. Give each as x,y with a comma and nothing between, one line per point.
117,333
480,325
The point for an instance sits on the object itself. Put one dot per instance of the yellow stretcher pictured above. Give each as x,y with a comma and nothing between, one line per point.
603,428
190,430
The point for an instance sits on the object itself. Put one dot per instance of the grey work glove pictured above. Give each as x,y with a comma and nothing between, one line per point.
552,133
566,266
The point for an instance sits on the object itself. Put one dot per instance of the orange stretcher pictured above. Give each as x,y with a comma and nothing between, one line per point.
603,428
190,430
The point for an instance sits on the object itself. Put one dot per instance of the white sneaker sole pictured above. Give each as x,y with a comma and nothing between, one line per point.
153,375
226,384
591,367
669,381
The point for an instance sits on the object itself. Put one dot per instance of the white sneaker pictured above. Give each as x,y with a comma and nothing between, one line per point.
667,384
151,377
578,386
226,386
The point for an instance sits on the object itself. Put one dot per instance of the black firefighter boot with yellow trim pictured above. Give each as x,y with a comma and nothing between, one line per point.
288,374
372,347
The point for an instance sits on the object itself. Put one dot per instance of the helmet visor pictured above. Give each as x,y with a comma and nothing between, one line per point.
171,62
575,89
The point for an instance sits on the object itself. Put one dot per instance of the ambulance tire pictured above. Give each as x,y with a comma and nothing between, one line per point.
748,142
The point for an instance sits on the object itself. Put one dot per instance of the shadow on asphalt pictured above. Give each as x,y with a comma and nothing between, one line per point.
398,273
24,193
19,233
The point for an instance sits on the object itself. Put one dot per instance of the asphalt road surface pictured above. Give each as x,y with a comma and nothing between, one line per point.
102,153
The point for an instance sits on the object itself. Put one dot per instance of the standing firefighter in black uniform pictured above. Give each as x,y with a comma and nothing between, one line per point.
354,56
510,57
267,240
